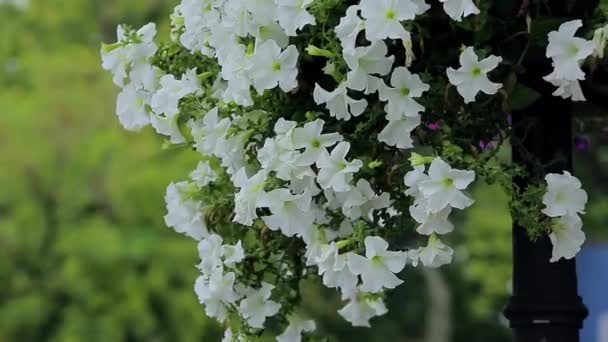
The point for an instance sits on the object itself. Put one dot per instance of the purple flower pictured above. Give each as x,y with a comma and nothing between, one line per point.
433,126
582,143
490,145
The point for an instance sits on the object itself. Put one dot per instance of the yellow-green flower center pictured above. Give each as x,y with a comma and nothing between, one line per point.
573,49
276,66
390,14
476,71
447,182
377,259
315,143
405,91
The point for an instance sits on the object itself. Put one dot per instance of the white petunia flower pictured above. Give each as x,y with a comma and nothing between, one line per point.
233,154
349,27
263,12
214,254
273,31
405,88
238,19
271,67
293,15
131,107
564,195
290,213
296,327
600,38
247,200
334,171
199,17
384,18
216,293
413,179
146,77
398,132
316,243
437,223
256,306
315,143
233,254
568,89
168,126
566,51
361,201
273,156
472,77
210,252
203,174
209,133
445,185
184,214
360,309
279,154
364,62
340,105
236,66
434,255
229,336
377,269
166,99
333,266
567,237
457,9
126,54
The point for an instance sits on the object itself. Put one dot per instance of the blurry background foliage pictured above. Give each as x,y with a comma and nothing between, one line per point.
84,253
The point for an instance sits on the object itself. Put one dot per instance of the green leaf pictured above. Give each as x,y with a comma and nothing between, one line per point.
522,97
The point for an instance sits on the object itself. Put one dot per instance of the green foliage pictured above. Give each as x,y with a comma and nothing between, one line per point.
84,254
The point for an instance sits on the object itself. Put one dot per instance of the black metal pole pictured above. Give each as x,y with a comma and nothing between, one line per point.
545,305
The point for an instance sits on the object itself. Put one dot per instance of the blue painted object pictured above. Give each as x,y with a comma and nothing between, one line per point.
592,264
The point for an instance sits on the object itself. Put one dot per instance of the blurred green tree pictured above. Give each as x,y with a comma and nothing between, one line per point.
84,254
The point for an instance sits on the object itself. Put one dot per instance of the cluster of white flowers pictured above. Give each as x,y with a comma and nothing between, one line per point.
299,178
564,201
567,52
148,96
368,64
218,291
184,213
216,27
436,193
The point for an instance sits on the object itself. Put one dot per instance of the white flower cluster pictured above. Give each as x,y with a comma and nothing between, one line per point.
216,27
148,96
299,178
368,64
567,52
436,193
564,201
216,288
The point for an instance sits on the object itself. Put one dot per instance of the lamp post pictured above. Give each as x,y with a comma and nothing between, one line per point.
545,305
